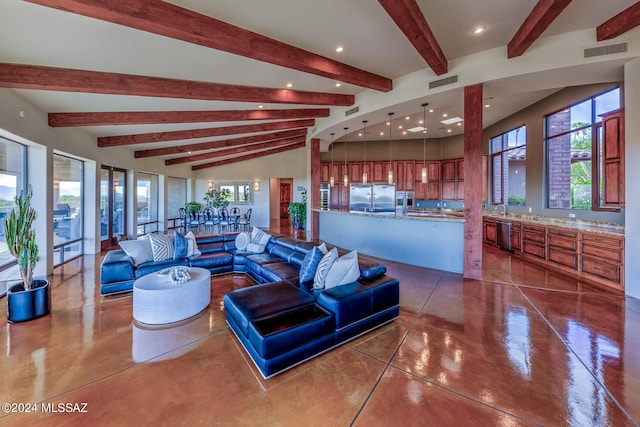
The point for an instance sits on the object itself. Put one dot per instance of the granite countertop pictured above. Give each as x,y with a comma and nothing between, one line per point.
413,216
571,223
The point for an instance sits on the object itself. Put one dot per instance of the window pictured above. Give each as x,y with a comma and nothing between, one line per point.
12,182
240,192
573,144
67,209
508,159
147,200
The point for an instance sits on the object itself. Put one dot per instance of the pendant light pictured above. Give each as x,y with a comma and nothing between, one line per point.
332,180
364,166
345,178
390,171
425,179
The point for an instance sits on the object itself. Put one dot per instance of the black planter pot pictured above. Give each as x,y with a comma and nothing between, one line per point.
28,305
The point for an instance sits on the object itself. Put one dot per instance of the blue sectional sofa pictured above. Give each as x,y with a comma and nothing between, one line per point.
280,322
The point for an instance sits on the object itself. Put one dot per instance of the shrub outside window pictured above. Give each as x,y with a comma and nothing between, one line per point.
239,192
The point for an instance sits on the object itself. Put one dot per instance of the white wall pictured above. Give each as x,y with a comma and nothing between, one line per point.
290,164
632,177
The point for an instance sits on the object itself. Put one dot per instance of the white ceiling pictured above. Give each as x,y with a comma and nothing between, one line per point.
37,35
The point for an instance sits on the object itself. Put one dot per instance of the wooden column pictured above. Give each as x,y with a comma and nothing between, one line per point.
472,268
314,194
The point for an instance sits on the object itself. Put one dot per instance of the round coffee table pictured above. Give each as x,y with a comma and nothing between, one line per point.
157,301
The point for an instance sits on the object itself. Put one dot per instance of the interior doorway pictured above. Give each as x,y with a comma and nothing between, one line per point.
280,195
113,187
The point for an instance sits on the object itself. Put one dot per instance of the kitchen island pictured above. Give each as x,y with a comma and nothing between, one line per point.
432,240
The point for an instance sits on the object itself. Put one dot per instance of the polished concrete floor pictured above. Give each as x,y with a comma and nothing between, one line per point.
521,347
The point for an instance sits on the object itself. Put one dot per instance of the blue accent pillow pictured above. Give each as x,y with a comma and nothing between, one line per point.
180,246
310,265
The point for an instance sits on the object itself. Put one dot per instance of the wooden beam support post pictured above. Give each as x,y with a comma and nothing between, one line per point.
472,265
314,194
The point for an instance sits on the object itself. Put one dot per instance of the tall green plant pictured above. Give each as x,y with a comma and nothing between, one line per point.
21,237
217,198
298,211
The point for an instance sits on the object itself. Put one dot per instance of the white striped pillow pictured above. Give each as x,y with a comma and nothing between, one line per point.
323,268
161,246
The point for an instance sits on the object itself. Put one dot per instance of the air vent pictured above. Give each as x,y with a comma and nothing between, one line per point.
442,82
606,50
351,111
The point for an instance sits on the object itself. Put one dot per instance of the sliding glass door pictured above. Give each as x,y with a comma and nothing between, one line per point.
113,196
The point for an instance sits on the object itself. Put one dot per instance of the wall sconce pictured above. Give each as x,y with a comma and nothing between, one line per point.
256,186
210,187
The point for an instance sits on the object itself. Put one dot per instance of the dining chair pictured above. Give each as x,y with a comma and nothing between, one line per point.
208,220
244,221
225,222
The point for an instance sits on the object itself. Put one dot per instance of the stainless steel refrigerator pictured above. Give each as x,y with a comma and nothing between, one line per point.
372,198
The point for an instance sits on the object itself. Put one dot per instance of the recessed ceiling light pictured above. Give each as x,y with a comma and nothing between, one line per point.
448,130
359,133
381,133
431,110
404,132
338,84
407,118
451,121
459,124
260,106
420,122
445,115
479,30
289,84
339,49
388,123
400,127
487,105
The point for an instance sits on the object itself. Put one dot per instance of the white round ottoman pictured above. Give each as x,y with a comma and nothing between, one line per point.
156,300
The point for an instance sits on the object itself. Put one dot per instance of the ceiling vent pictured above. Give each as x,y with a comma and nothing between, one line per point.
606,50
442,82
352,111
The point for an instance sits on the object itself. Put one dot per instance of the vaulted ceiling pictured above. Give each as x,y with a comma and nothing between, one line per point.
208,82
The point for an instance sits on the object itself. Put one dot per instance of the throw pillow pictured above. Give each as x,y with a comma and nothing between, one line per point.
185,246
255,248
344,270
310,265
139,250
323,268
161,246
193,245
242,240
323,248
260,237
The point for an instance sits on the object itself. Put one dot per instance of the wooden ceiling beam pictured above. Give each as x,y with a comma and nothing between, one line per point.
619,24
212,145
18,76
249,156
143,138
166,19
166,117
542,15
411,21
235,150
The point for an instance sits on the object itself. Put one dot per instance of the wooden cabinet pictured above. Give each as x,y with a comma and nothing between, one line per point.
594,258
534,241
460,170
602,257
379,174
516,236
613,158
563,247
325,172
399,175
409,175
448,170
355,172
489,234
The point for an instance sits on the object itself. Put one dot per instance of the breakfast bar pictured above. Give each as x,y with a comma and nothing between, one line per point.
433,240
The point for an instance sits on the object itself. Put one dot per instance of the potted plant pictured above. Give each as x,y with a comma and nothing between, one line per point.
31,298
193,207
298,212
217,198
